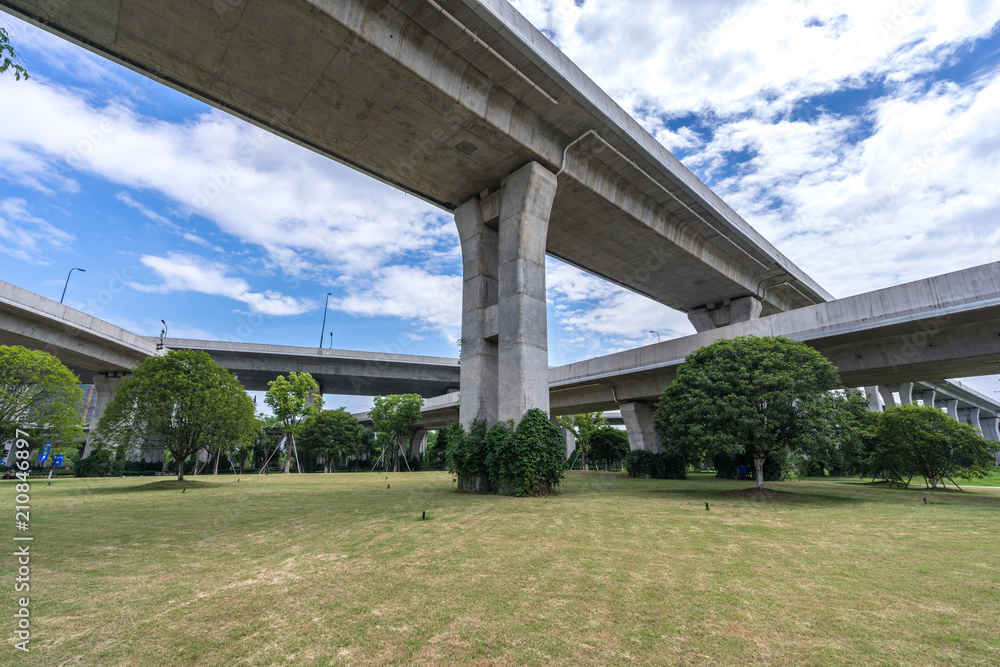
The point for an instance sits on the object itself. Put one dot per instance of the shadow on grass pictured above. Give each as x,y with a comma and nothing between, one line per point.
164,485
766,495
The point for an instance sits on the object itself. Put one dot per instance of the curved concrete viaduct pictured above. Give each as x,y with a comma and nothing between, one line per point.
465,104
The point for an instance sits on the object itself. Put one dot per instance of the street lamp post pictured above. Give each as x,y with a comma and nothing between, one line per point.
67,282
657,335
323,332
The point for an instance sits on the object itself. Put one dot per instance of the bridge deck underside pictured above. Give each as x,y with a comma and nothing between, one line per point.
395,89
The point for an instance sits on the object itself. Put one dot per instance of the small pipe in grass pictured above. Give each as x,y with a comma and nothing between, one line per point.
706,507
424,517
925,501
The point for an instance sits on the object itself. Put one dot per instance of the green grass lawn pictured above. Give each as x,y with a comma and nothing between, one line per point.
918,482
338,569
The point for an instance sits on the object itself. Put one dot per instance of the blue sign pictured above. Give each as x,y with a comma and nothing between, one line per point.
57,460
43,455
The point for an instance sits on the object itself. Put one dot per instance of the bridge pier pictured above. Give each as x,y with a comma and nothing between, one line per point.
505,358
990,427
418,443
105,385
970,416
640,428
887,398
874,404
928,397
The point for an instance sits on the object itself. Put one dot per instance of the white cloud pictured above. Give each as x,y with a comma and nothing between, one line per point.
728,58
186,273
129,201
409,293
26,236
253,186
598,317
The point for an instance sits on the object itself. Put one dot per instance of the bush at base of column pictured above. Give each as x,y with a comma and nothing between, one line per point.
526,460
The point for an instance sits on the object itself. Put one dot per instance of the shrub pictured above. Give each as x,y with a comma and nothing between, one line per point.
100,463
526,460
466,452
642,463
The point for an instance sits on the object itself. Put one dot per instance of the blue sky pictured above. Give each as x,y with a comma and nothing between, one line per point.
862,143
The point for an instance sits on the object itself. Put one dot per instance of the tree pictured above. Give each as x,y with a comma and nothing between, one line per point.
582,426
39,393
8,59
922,440
835,431
293,401
740,395
183,402
394,417
437,446
332,434
254,449
609,445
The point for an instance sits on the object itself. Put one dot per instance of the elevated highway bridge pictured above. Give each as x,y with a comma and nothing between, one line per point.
464,104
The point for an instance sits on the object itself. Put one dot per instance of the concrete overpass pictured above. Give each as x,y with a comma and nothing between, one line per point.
86,344
466,105
901,343
101,354
336,371
92,348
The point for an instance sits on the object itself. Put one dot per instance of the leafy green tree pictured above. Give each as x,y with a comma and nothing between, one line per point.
835,431
922,440
394,417
334,434
583,426
609,445
741,395
183,402
8,59
38,393
293,401
437,446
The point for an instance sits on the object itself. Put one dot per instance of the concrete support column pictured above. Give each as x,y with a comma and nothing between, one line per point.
906,393
505,357
105,385
570,441
874,404
639,426
523,355
928,396
991,431
887,397
714,316
969,416
418,443
990,426
479,399
952,404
